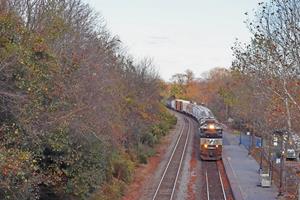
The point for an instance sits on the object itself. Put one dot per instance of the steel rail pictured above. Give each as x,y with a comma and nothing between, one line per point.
223,190
207,186
170,160
181,159
216,173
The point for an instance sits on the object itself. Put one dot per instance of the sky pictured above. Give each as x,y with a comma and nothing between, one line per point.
178,34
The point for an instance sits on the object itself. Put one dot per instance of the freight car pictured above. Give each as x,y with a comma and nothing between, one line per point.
210,131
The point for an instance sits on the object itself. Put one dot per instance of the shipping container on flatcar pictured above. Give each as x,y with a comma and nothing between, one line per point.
198,112
170,101
189,108
181,105
173,104
185,105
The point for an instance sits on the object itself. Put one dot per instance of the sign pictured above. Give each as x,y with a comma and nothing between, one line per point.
277,160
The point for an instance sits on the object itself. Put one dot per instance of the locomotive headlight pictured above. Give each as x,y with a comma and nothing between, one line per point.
211,126
205,145
217,146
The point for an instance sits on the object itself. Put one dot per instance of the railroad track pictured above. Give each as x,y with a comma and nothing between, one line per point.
216,183
165,190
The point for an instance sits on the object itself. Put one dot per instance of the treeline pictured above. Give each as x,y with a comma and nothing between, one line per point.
76,112
261,91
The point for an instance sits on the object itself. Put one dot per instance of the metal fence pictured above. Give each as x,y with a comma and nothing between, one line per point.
246,140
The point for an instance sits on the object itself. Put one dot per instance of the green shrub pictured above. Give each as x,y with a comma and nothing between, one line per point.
143,158
149,139
145,147
122,167
112,190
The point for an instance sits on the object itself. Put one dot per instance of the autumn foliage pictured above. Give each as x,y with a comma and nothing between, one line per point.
76,112
261,90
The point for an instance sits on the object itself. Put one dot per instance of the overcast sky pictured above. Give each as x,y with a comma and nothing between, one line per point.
178,34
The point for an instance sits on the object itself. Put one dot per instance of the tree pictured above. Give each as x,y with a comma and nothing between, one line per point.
76,111
272,57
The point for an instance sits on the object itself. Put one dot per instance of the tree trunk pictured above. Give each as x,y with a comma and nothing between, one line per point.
287,107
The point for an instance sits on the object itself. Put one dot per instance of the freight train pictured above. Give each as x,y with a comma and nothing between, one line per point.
210,130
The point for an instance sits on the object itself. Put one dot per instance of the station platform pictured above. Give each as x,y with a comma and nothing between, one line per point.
242,172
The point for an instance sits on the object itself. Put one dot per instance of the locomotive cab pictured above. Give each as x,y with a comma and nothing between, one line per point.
210,140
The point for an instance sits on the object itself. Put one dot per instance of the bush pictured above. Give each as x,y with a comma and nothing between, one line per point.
144,152
122,167
149,139
113,190
143,158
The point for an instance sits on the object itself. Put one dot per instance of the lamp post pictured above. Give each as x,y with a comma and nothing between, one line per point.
250,142
261,155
